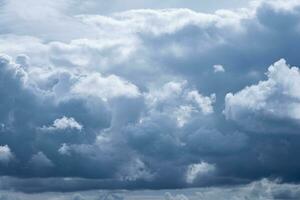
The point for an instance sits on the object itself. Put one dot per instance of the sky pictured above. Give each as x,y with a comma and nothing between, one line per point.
171,100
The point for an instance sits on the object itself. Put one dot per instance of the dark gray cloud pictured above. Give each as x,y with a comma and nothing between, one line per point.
132,100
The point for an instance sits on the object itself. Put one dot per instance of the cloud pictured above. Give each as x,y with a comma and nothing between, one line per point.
64,149
275,100
205,103
105,88
77,197
195,171
40,160
169,196
262,189
179,99
218,68
140,89
5,154
136,170
64,123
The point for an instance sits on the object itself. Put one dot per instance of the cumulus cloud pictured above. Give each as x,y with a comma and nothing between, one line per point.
64,123
179,99
273,100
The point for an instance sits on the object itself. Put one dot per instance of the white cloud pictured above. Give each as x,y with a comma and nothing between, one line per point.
105,87
183,114
118,33
180,100
218,68
203,102
64,123
5,154
195,171
277,97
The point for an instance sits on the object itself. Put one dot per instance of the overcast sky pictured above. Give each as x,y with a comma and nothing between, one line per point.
102,95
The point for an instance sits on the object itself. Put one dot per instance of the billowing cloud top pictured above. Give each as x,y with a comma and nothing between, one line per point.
147,98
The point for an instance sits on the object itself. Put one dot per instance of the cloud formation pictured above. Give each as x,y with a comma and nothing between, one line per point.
276,99
130,100
64,123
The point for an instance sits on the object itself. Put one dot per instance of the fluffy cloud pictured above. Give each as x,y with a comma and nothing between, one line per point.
275,100
105,88
177,98
64,123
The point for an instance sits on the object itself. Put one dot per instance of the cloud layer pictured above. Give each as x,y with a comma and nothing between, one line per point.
263,189
147,98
